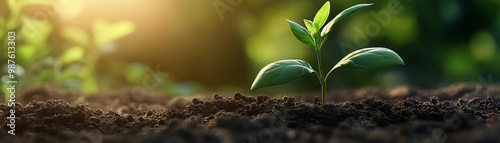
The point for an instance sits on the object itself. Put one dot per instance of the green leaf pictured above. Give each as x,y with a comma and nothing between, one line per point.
27,53
15,6
301,33
76,35
369,58
105,32
90,85
321,16
36,32
323,40
72,54
341,17
309,26
281,72
135,73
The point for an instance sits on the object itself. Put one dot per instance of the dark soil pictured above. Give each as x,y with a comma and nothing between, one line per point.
457,113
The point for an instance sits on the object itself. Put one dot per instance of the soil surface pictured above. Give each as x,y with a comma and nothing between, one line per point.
457,113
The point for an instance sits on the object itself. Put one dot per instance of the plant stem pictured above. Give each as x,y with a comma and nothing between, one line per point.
323,91
321,76
318,56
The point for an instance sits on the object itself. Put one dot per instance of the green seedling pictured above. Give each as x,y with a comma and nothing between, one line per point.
284,71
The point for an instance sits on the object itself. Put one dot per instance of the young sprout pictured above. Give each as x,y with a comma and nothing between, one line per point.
284,71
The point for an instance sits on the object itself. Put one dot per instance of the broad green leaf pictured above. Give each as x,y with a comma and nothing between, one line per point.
72,54
281,72
301,33
341,17
76,35
369,58
309,26
321,16
105,32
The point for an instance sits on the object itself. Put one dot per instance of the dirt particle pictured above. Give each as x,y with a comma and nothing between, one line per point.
434,99
197,101
238,96
218,97
261,99
317,100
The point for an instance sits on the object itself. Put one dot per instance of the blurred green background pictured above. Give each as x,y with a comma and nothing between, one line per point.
185,47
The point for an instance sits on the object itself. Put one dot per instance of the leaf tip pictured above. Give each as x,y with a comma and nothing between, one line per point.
402,62
327,3
253,87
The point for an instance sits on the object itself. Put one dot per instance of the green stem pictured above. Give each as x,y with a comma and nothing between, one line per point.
323,91
318,56
321,75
